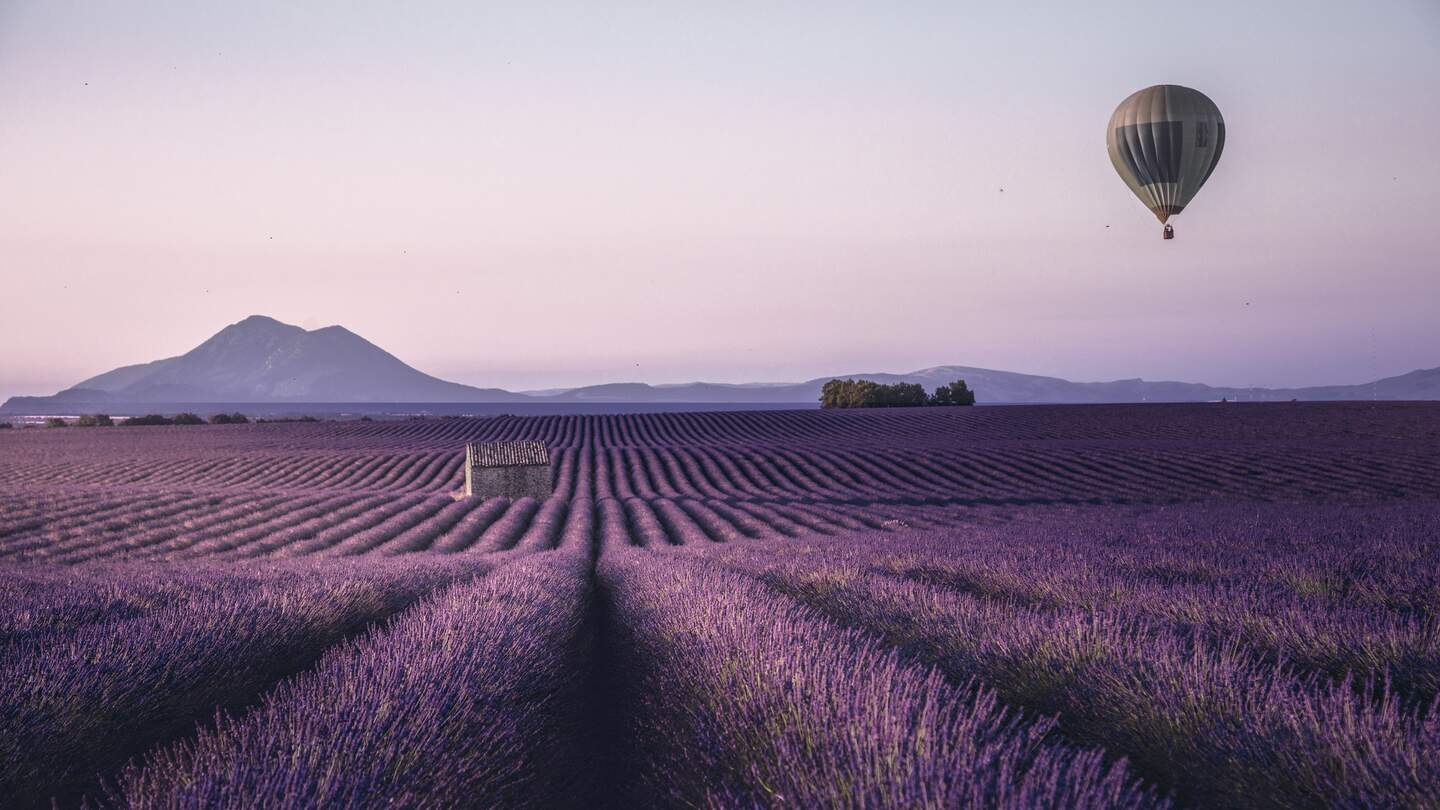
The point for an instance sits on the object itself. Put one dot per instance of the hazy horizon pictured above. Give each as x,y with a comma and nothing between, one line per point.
804,378
560,195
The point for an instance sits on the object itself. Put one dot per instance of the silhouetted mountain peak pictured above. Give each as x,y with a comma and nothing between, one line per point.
262,320
259,325
261,359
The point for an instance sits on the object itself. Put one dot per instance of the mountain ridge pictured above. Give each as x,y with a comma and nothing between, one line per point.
260,359
264,361
1007,387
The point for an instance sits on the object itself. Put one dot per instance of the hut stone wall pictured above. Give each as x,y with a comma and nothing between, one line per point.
509,482
513,469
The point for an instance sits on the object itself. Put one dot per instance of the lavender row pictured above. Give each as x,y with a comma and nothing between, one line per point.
472,698
127,515
276,470
1303,423
732,696
78,701
891,463
220,529
690,522
1205,718
1330,591
52,601
944,472
29,511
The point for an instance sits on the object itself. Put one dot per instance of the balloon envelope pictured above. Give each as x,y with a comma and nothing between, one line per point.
1165,141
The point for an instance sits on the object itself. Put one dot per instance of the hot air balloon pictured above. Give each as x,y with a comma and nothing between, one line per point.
1165,141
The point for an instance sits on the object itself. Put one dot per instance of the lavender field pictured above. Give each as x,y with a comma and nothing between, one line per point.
1050,607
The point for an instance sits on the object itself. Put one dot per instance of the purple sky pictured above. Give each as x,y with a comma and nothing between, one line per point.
542,195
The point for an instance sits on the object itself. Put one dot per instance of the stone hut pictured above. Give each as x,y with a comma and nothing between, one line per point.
507,469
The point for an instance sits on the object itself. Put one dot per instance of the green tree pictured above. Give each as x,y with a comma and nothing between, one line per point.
903,395
956,393
148,419
870,394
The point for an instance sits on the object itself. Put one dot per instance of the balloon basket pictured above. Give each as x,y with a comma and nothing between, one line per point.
1169,231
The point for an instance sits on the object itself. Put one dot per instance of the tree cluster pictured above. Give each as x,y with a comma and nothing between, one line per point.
870,394
236,418
157,419
956,393
84,420
149,419
306,418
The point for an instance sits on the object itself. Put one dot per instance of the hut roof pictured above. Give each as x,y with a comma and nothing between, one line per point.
507,454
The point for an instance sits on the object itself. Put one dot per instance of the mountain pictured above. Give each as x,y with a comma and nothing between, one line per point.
261,359
1416,385
992,386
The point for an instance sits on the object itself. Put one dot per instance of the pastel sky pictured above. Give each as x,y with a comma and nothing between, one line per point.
540,194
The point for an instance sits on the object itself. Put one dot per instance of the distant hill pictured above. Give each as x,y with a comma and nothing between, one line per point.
993,386
261,360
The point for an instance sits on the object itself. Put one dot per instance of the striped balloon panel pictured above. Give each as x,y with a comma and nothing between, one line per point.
1165,141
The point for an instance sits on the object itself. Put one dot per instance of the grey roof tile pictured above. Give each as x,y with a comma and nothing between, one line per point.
507,454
